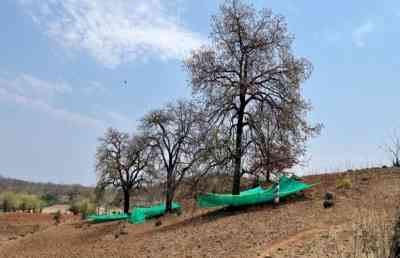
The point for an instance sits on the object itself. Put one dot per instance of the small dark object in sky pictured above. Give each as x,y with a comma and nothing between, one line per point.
125,82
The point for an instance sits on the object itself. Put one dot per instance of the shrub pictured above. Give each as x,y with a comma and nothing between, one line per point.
9,201
30,202
83,207
57,217
343,183
74,208
86,207
50,199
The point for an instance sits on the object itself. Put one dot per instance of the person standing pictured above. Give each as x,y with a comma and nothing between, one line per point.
276,190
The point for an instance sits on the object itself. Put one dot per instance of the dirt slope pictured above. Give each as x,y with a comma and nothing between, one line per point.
300,227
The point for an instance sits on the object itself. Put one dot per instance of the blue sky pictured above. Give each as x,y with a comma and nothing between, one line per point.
63,63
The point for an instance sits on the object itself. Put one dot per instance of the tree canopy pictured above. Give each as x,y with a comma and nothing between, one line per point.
176,136
247,69
123,162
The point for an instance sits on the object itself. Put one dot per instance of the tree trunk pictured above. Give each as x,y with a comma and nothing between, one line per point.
168,202
5,206
126,201
169,195
268,175
238,152
396,162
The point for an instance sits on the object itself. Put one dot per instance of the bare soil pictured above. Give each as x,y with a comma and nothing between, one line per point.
299,227
14,226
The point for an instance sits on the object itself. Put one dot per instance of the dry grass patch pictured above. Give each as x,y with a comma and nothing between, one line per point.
369,237
344,183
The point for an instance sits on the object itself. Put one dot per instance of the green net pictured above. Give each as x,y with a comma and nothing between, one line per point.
139,215
287,186
108,217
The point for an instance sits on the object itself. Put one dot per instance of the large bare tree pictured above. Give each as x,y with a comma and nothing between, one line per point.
123,162
249,63
176,136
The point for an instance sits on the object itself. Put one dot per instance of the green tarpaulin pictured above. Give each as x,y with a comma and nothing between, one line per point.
108,217
287,186
139,215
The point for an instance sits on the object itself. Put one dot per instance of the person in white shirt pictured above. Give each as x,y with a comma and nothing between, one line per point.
276,189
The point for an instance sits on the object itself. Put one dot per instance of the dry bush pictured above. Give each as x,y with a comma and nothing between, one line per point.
343,183
57,217
83,207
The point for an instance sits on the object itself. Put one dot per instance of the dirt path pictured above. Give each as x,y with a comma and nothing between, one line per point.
296,238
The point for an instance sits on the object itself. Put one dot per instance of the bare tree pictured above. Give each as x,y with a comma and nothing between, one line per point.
175,135
248,64
392,147
123,162
278,141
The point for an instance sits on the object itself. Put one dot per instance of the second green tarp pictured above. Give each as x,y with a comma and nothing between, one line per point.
287,186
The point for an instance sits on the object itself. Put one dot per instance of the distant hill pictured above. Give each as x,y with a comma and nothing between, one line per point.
60,191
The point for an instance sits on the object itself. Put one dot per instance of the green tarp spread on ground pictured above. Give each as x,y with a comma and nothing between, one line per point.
139,215
108,217
287,186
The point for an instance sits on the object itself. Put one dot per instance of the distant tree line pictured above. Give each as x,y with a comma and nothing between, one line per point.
31,203
49,192
10,201
246,115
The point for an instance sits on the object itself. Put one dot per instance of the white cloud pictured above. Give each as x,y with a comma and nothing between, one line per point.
94,88
57,113
35,94
27,85
360,33
117,31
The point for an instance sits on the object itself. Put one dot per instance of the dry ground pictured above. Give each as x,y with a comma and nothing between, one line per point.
15,226
300,227
64,209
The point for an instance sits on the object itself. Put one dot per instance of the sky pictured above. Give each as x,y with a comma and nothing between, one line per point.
63,64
